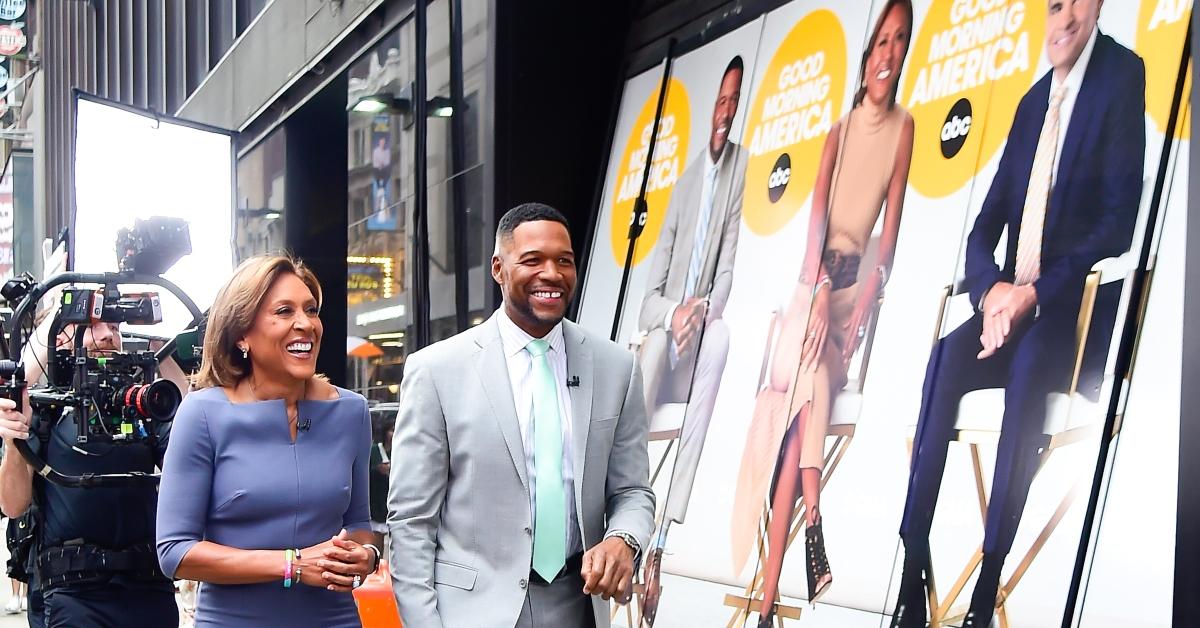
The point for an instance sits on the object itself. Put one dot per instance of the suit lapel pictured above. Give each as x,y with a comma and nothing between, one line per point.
492,369
579,364
717,216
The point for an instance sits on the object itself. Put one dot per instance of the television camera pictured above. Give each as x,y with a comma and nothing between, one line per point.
112,397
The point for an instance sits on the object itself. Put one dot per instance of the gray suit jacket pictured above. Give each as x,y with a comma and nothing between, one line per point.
673,251
459,498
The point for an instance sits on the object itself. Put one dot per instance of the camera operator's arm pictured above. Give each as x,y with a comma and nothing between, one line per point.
170,370
16,476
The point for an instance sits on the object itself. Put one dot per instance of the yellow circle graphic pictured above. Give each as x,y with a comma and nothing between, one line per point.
1161,29
984,51
670,151
798,101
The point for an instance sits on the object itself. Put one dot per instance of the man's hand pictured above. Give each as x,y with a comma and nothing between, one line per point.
1004,306
608,569
687,321
14,425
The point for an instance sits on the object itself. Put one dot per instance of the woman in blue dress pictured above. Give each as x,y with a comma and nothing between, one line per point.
264,494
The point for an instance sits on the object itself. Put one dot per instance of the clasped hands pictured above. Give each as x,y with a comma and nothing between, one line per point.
334,564
1004,306
687,321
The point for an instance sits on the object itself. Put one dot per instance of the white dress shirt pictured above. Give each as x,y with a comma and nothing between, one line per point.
520,375
1073,82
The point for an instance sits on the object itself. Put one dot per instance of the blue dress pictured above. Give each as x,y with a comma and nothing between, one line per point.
233,476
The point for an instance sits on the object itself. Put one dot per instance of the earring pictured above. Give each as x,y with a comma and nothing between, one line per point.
245,353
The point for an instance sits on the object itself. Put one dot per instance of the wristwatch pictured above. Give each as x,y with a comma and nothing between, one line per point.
631,542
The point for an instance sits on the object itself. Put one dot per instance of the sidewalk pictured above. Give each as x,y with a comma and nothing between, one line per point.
8,621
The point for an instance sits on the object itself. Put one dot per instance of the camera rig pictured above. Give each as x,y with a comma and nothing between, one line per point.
115,397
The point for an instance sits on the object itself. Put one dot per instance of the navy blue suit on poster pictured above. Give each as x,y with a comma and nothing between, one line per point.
1090,216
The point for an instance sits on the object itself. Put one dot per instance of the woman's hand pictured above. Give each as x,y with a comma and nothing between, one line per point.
341,560
856,326
817,330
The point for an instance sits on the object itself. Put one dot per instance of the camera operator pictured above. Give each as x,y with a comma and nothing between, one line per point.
96,564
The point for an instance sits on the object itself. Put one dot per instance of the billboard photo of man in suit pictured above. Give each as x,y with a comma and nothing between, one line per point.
687,342
1066,192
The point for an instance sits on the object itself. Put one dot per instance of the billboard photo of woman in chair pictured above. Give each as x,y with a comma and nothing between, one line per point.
863,171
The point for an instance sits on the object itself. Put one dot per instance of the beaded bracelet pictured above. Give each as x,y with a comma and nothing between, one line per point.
288,556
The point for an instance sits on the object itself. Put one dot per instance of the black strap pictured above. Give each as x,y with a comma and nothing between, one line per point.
74,562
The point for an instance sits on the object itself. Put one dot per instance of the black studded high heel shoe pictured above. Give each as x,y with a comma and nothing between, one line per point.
911,603
819,576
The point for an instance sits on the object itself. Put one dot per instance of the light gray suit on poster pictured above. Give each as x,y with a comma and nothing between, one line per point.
459,504
670,380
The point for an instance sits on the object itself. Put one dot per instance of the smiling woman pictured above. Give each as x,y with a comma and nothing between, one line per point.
238,508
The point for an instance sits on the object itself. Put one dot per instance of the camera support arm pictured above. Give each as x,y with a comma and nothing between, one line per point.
27,307
29,304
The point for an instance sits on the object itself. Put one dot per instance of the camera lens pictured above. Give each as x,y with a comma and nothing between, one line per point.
157,401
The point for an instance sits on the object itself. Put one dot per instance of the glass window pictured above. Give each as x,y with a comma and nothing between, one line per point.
380,323
260,190
456,173
381,165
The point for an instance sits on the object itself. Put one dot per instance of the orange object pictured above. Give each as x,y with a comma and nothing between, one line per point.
376,603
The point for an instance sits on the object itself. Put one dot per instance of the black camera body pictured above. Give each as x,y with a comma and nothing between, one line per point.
121,392
114,396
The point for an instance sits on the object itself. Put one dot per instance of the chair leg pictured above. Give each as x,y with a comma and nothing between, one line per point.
662,460
1051,525
944,606
980,489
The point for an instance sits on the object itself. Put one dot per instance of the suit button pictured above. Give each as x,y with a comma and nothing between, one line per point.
529,531
522,583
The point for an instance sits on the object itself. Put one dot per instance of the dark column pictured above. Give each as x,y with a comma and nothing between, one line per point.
1187,530
558,83
316,214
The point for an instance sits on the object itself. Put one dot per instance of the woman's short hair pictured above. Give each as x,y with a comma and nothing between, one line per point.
233,312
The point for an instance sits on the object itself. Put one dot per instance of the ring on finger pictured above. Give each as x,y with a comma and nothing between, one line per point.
357,582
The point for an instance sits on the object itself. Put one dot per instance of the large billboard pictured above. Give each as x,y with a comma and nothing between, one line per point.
885,251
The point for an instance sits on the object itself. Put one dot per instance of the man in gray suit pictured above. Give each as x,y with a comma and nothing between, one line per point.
519,491
683,353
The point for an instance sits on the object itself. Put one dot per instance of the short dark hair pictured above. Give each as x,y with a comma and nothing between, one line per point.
734,64
527,212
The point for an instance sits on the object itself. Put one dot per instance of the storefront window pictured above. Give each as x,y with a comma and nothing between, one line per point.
381,161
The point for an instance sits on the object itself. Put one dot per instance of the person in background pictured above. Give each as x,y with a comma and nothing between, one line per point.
863,170
691,273
93,564
1066,193
381,468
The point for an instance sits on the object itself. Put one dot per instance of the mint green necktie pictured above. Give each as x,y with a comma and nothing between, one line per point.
550,516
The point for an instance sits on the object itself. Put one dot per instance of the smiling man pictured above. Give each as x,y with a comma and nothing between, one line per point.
519,492
689,282
1066,193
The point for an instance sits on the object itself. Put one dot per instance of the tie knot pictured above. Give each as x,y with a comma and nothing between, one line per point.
1057,97
537,347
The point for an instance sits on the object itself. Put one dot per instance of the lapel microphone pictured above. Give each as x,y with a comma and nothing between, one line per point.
573,381
304,425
